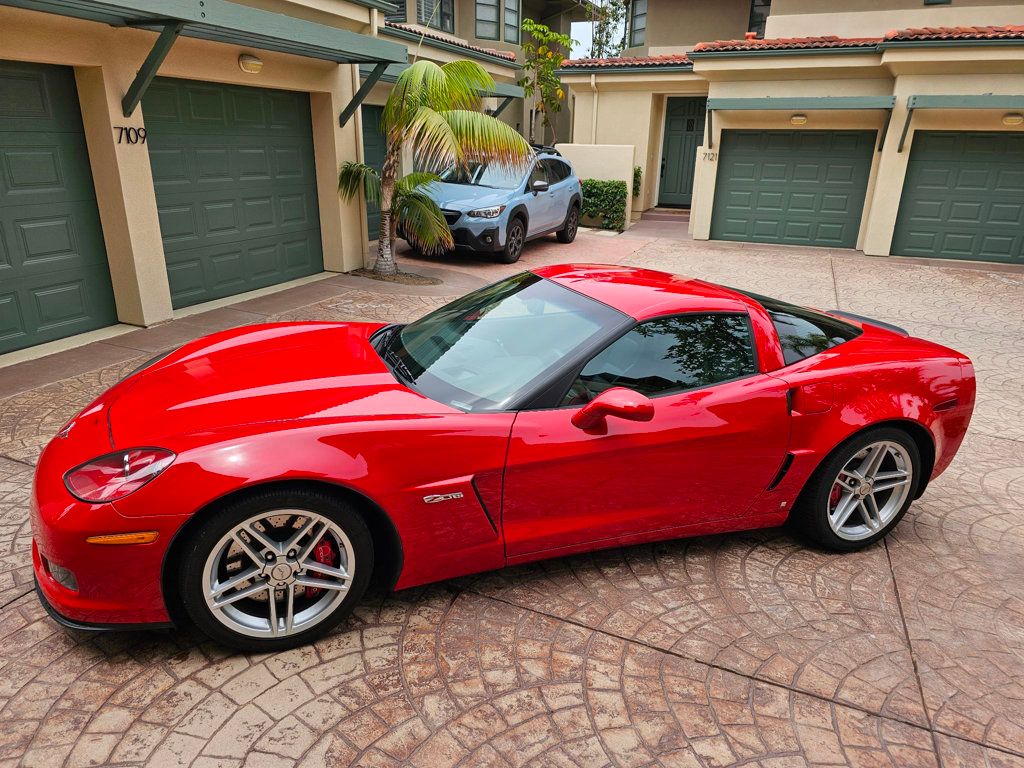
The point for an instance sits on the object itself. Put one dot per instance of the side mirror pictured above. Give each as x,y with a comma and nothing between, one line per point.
539,186
617,401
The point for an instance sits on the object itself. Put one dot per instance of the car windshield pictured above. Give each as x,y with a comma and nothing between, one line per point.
483,352
480,175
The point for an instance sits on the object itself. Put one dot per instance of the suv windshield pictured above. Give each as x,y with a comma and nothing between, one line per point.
479,175
486,350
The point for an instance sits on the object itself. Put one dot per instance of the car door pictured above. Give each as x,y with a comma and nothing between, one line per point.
561,189
718,436
538,204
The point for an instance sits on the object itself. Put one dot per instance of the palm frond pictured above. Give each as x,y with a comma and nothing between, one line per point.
467,81
423,83
423,224
354,177
481,138
410,181
433,139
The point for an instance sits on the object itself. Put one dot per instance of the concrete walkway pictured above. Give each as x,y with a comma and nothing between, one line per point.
747,648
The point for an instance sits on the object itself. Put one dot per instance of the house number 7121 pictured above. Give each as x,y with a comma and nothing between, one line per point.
711,156
130,135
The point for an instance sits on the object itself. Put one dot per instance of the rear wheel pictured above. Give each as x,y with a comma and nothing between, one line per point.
572,224
515,239
861,492
276,569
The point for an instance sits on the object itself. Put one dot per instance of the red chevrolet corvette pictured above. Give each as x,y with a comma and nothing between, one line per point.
253,481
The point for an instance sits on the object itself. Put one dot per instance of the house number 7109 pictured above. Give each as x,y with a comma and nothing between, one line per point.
130,135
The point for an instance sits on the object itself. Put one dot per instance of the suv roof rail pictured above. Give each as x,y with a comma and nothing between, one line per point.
544,149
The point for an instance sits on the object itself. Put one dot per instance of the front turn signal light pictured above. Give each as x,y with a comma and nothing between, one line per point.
114,476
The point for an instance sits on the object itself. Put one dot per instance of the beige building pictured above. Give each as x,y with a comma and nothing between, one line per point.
891,126
158,155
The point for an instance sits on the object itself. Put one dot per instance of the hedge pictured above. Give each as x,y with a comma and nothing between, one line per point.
638,177
606,201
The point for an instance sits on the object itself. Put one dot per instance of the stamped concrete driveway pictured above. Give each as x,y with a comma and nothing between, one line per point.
739,649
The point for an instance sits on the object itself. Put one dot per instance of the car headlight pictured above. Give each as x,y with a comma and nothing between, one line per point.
114,476
487,213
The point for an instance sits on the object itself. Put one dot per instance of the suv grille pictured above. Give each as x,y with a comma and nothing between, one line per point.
452,216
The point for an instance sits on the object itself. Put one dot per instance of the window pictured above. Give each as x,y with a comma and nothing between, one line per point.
489,349
638,23
396,15
557,170
512,21
759,10
804,332
670,354
487,19
539,173
436,13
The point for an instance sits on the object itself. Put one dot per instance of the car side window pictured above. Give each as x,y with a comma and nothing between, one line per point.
537,174
670,354
557,170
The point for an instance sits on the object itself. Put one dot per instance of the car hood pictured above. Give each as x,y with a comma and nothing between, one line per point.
260,374
463,197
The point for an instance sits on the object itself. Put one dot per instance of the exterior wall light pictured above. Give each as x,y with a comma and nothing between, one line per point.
1012,119
798,119
250,64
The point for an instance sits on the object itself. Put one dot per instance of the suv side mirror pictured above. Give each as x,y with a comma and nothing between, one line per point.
617,401
539,186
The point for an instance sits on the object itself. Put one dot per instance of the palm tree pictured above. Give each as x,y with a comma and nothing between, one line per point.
436,110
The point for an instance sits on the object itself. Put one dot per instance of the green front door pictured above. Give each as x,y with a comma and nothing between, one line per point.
963,197
54,277
684,131
235,187
795,187
374,146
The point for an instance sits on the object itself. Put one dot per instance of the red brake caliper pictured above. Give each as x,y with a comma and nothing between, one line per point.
323,553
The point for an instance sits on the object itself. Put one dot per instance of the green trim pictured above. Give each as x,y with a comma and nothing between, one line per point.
362,93
443,45
808,102
500,90
147,71
225,22
380,5
887,44
987,101
623,70
502,106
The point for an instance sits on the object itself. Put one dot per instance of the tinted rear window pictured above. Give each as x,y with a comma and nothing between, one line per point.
804,332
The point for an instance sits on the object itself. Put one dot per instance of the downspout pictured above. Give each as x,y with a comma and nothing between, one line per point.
593,112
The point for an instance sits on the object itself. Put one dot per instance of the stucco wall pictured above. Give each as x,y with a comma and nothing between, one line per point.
605,162
865,18
673,25
105,60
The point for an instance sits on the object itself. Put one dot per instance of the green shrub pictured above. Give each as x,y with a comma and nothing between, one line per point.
638,177
606,201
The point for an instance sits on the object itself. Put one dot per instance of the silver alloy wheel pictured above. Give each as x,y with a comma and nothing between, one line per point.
870,490
267,577
515,239
574,222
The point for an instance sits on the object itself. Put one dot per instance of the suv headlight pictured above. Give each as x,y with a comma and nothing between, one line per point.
487,213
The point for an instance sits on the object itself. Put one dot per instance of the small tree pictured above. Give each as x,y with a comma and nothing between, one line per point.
544,50
436,110
607,22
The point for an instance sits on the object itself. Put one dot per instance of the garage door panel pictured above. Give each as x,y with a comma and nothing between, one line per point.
963,197
235,181
798,187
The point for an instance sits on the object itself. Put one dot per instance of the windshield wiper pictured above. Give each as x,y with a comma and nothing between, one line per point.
397,363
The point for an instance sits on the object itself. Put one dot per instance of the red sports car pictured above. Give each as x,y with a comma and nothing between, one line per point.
254,481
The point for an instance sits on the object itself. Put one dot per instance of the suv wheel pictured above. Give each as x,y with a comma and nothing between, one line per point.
572,224
515,239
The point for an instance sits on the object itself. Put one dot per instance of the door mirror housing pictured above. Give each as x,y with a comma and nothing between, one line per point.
617,401
539,186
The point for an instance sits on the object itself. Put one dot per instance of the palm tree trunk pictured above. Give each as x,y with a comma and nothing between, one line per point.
385,263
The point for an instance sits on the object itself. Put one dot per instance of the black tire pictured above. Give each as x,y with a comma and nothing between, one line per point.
338,604
515,239
822,498
572,224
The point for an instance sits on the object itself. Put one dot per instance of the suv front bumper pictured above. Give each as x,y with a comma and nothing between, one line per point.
486,240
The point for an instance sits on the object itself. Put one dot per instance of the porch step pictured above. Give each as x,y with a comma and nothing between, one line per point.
679,215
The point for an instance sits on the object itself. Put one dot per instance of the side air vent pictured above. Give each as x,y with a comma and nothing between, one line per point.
786,464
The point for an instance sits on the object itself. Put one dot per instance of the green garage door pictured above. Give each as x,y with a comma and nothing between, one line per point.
235,187
54,277
794,187
963,197
374,148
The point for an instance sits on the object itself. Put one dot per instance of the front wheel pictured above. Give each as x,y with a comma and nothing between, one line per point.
515,239
861,492
276,569
572,224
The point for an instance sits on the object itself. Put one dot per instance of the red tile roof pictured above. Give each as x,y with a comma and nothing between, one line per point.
1013,32
507,55
787,43
668,60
